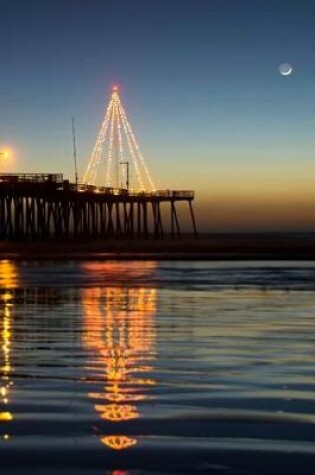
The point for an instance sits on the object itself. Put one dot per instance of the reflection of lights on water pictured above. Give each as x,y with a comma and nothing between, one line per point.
6,297
6,349
118,442
113,395
8,281
117,412
8,275
120,333
6,416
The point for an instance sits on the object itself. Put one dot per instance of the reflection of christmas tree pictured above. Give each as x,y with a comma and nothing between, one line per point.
120,333
118,442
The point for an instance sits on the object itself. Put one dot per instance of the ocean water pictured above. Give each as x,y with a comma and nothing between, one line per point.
130,368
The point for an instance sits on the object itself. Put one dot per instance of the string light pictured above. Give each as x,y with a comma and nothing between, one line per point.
115,142
120,143
110,148
133,155
136,147
89,175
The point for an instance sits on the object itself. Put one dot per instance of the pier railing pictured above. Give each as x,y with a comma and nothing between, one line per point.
57,180
188,194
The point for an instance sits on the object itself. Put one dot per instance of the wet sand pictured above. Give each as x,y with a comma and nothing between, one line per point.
259,246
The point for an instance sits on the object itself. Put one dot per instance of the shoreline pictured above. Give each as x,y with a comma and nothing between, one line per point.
215,247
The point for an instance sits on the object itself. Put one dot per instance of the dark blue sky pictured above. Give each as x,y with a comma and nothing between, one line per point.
198,77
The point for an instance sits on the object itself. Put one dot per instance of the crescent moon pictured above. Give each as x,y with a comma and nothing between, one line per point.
285,69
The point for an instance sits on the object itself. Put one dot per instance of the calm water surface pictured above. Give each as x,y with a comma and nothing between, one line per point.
128,368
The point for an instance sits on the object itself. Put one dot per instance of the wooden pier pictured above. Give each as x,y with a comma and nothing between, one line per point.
45,206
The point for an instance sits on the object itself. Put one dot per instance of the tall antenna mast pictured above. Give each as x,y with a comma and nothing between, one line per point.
74,154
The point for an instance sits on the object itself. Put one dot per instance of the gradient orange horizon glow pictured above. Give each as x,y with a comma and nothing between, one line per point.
255,197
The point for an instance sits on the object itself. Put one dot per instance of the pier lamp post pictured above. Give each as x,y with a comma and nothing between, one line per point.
127,173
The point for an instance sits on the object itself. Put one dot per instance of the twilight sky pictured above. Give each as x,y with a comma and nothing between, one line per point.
200,82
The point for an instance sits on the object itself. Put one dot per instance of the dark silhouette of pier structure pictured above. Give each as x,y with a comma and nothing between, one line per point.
45,206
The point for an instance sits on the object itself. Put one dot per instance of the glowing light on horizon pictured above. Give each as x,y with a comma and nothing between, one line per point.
115,144
6,157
